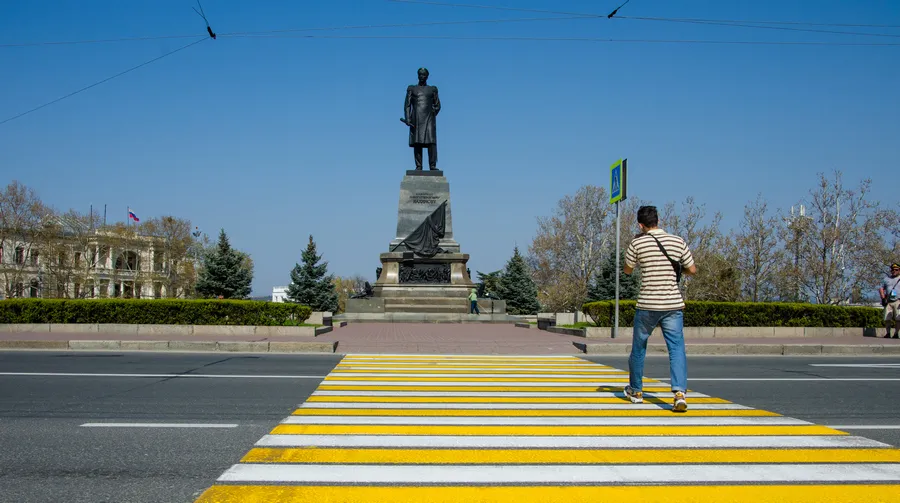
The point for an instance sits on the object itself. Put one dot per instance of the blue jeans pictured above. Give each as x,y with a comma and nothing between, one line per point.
473,307
672,324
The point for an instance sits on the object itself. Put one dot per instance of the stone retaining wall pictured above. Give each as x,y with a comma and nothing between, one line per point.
732,332
141,329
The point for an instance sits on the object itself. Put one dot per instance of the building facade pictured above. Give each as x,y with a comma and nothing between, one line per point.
279,294
98,263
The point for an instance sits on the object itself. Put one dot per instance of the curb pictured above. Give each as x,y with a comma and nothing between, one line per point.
189,346
611,349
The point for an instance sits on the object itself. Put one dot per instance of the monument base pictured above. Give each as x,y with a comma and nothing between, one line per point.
410,284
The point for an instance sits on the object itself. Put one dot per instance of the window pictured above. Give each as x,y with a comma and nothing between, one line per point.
19,290
104,288
77,259
1,254
157,290
117,290
34,257
34,288
137,290
104,256
20,255
62,258
77,290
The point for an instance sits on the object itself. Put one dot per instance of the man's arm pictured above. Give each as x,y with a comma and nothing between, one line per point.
437,102
687,262
630,258
406,102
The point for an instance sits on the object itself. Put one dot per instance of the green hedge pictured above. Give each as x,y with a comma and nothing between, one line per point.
153,312
747,314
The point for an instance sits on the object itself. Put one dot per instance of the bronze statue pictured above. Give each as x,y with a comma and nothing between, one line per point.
420,111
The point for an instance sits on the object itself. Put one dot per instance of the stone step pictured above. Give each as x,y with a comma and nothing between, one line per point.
413,308
422,292
428,301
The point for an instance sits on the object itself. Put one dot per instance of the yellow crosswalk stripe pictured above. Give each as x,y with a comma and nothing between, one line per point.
568,456
441,429
529,412
363,387
481,399
563,494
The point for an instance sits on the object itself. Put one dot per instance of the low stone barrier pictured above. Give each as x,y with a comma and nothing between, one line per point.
142,329
725,349
738,332
189,346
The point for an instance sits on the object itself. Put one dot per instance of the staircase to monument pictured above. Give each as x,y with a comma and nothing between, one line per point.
426,305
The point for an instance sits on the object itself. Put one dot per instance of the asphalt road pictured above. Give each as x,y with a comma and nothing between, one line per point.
48,455
861,391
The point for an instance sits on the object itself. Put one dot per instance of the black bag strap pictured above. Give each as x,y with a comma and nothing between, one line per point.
675,265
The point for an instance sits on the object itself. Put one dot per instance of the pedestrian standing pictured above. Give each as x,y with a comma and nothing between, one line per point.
663,258
890,299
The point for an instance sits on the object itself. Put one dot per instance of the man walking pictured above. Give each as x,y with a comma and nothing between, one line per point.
890,299
663,258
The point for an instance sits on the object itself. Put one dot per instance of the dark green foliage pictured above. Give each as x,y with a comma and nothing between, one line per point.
153,312
747,314
225,272
309,283
517,287
489,283
603,286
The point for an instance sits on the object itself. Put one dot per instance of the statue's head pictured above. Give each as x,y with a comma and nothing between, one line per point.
423,74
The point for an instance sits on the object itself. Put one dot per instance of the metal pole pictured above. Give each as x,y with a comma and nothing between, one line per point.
616,321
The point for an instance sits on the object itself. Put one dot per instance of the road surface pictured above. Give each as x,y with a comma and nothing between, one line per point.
161,427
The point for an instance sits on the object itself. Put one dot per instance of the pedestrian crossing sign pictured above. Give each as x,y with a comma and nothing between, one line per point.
617,181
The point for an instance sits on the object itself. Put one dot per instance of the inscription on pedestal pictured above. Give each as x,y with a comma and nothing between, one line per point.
424,198
424,273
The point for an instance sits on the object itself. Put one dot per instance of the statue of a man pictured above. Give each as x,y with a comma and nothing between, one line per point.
420,113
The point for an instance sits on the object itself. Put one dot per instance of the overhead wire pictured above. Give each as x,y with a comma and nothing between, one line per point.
579,39
104,80
569,13
292,30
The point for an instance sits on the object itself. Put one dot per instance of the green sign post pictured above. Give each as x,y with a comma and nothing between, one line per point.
618,183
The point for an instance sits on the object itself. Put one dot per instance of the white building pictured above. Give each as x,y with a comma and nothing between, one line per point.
279,294
95,263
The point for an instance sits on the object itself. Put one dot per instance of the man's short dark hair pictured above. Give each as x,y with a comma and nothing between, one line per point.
647,216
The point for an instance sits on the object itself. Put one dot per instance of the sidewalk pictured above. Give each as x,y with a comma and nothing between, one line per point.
449,338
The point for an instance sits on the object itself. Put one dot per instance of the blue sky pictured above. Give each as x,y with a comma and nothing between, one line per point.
276,138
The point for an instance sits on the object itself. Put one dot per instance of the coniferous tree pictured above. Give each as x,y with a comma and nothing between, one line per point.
603,287
488,283
225,272
310,285
517,287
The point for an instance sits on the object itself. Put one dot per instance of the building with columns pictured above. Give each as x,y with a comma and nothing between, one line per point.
109,262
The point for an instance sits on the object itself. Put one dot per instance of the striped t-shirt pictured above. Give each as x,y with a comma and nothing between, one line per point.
659,292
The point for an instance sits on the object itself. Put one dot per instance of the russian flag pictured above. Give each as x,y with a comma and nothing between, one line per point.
132,216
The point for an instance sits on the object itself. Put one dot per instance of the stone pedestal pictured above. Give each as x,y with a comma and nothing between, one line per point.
412,284
421,192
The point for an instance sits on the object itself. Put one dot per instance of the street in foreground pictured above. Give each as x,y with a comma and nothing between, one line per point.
147,427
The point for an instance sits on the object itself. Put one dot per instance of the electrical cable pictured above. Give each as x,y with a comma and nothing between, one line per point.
581,39
567,13
104,80
292,30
